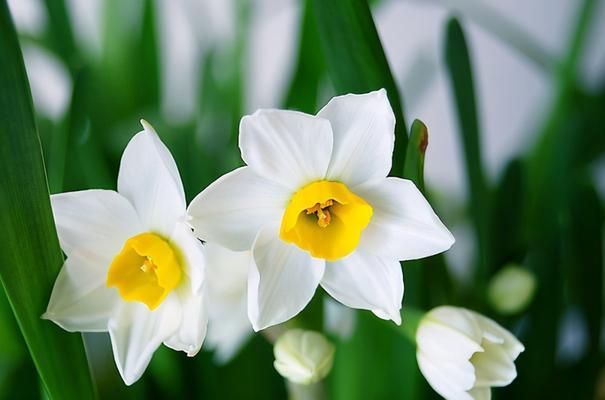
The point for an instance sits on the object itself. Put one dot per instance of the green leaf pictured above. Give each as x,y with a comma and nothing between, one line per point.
377,362
356,61
86,164
583,257
310,67
508,240
461,78
31,257
61,34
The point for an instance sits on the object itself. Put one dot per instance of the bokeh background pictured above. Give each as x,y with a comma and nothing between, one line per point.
530,190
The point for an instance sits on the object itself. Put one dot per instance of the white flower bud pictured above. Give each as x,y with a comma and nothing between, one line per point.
303,357
462,354
511,289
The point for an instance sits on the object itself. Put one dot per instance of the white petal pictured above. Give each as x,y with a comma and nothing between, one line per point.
282,279
95,219
232,209
136,333
481,393
227,282
80,300
450,379
441,341
149,178
493,367
191,250
338,319
228,329
510,343
364,135
363,280
457,319
287,147
192,331
404,225
227,272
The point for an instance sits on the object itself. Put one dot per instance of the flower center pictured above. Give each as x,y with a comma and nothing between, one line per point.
326,219
146,270
322,211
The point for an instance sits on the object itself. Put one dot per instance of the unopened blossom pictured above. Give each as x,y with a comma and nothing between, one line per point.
133,266
511,289
463,354
315,206
303,357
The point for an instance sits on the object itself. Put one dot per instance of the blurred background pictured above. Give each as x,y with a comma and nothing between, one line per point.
527,189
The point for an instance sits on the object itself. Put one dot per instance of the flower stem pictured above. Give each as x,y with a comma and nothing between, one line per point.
411,318
315,391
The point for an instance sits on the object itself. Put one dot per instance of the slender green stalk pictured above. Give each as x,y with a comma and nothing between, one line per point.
578,39
411,318
504,29
315,391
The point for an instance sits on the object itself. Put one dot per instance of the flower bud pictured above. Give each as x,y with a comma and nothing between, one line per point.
511,289
463,354
303,357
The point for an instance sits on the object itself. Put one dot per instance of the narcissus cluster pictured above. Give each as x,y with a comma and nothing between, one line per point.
313,207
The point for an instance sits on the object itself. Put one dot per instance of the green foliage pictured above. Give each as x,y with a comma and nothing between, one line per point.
356,60
30,256
542,212
463,89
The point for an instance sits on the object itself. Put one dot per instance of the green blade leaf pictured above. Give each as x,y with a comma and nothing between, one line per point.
356,60
461,78
60,31
310,66
375,363
583,258
31,257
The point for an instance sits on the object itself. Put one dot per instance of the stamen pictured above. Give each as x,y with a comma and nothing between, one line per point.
148,265
323,215
323,218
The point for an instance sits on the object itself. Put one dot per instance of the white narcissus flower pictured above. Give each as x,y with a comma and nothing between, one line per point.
462,354
316,207
226,281
133,267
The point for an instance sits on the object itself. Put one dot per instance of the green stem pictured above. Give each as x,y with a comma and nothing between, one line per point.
411,318
411,321
577,42
504,29
315,391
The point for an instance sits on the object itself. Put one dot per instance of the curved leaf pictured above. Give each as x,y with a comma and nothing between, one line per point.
30,257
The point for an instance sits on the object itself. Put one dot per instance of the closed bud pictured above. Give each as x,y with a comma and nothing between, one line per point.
303,357
511,289
463,354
